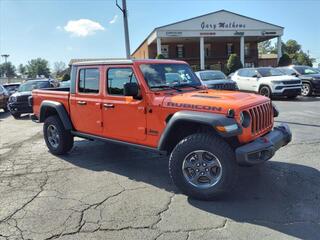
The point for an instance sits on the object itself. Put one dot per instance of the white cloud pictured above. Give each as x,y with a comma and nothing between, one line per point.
83,27
114,19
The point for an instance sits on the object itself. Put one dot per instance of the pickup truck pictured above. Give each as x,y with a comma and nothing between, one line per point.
207,133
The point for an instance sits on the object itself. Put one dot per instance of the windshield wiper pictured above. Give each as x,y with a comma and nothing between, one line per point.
166,86
188,85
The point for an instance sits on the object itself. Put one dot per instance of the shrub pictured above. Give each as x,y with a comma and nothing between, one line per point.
233,63
160,56
285,60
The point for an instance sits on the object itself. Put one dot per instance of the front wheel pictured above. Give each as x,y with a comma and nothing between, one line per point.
265,91
203,166
16,115
306,89
58,139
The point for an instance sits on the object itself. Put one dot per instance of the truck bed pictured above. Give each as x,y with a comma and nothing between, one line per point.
50,94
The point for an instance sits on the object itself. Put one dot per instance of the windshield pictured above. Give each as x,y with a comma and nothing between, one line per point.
174,75
212,75
287,71
268,72
29,86
306,70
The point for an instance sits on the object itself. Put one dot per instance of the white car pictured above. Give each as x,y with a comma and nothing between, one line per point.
267,81
215,79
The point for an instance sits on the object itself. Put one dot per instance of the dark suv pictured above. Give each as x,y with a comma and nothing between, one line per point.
18,101
309,76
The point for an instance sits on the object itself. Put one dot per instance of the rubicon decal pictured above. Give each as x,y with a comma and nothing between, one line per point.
194,106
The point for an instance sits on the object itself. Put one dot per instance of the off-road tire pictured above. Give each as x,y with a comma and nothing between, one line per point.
265,91
65,137
304,91
211,143
16,115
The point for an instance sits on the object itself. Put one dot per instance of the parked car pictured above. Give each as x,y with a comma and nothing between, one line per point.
207,133
11,87
64,84
267,81
18,101
309,76
215,79
4,95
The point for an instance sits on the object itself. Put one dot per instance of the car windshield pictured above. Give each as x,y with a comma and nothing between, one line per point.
287,71
305,70
160,75
30,85
268,72
212,75
11,87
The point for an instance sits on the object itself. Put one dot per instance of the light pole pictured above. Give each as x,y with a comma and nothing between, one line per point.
5,56
124,11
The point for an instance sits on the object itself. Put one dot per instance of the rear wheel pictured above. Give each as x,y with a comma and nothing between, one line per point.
203,166
306,89
265,91
58,140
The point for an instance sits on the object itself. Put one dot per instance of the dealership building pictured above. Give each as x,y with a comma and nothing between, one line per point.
206,41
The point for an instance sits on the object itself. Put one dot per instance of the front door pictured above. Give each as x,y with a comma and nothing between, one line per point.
124,118
86,111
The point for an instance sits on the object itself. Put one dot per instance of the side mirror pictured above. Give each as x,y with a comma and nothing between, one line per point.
131,89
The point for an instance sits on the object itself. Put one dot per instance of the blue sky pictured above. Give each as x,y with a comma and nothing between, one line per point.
50,28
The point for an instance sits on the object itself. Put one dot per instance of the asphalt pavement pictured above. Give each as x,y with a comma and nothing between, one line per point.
107,191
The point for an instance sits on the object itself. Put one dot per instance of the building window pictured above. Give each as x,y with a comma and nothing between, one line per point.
165,50
230,48
89,80
180,51
207,50
247,49
117,77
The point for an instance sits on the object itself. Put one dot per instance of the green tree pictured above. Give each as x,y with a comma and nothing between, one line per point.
285,60
37,67
302,58
160,56
66,77
291,47
7,69
233,63
265,47
22,69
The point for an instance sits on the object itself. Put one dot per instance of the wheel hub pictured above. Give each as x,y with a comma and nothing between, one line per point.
53,136
202,169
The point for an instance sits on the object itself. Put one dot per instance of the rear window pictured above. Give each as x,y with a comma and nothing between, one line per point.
89,79
31,85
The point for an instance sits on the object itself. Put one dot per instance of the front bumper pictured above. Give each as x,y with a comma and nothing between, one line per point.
19,107
288,92
263,148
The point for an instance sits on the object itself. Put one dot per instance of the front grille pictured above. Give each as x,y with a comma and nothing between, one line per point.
292,82
224,86
23,98
261,118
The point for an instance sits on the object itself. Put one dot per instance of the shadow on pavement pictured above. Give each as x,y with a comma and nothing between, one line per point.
298,99
277,195
4,115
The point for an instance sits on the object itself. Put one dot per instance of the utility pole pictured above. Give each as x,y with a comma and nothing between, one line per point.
124,11
5,56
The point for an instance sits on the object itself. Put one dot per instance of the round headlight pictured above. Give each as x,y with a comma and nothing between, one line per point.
245,119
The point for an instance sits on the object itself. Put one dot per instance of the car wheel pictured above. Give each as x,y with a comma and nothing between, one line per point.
265,91
306,89
16,115
203,166
58,139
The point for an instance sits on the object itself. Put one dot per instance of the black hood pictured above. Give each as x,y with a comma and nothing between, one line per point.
18,94
310,76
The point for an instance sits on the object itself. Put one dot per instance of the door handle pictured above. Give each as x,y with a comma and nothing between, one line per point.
82,103
108,105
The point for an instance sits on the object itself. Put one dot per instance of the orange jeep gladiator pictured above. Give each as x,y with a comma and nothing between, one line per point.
161,105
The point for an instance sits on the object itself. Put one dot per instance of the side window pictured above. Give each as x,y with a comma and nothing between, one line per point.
89,79
242,72
117,77
251,73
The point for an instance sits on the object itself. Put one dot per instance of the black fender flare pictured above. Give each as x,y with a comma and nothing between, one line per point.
61,111
201,118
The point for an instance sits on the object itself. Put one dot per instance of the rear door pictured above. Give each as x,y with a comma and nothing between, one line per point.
241,79
252,80
124,117
85,104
